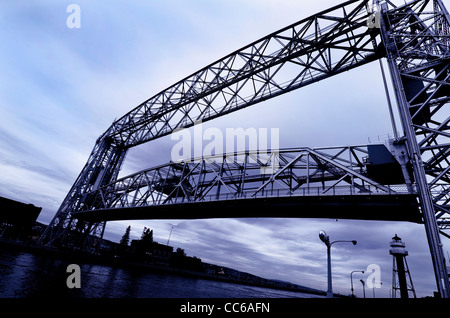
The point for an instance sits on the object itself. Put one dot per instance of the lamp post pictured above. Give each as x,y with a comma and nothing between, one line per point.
351,280
364,287
373,289
170,234
326,239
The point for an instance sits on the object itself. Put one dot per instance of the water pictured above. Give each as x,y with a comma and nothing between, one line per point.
24,274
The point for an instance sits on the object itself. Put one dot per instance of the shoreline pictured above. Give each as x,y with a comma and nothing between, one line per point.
123,262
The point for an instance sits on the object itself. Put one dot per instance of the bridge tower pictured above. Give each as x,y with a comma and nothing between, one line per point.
401,277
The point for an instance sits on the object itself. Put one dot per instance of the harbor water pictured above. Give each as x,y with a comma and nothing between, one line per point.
26,274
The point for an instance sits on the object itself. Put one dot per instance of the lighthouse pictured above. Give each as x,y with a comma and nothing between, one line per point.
401,277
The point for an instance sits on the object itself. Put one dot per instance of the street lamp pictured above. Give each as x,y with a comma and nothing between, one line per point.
364,287
326,239
351,280
170,234
373,289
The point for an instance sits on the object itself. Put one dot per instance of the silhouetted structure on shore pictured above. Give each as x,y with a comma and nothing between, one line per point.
17,219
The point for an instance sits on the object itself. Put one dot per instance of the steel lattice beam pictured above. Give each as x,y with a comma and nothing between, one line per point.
323,45
326,172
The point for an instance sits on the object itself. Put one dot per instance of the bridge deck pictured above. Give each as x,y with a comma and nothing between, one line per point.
387,207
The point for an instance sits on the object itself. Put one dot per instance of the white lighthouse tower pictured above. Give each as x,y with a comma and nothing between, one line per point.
401,277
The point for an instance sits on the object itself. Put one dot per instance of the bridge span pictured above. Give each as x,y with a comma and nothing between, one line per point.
393,207
336,182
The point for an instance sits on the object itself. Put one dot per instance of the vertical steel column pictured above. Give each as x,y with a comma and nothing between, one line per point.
429,218
101,168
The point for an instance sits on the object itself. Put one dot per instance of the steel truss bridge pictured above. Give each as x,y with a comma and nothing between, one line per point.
406,179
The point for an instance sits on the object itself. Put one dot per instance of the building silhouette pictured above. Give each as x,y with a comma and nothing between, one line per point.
17,219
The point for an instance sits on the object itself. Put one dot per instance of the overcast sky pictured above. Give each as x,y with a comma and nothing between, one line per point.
61,88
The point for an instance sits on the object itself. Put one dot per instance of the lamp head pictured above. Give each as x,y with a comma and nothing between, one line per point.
324,237
354,242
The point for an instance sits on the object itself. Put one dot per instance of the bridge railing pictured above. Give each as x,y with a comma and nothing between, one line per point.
310,191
